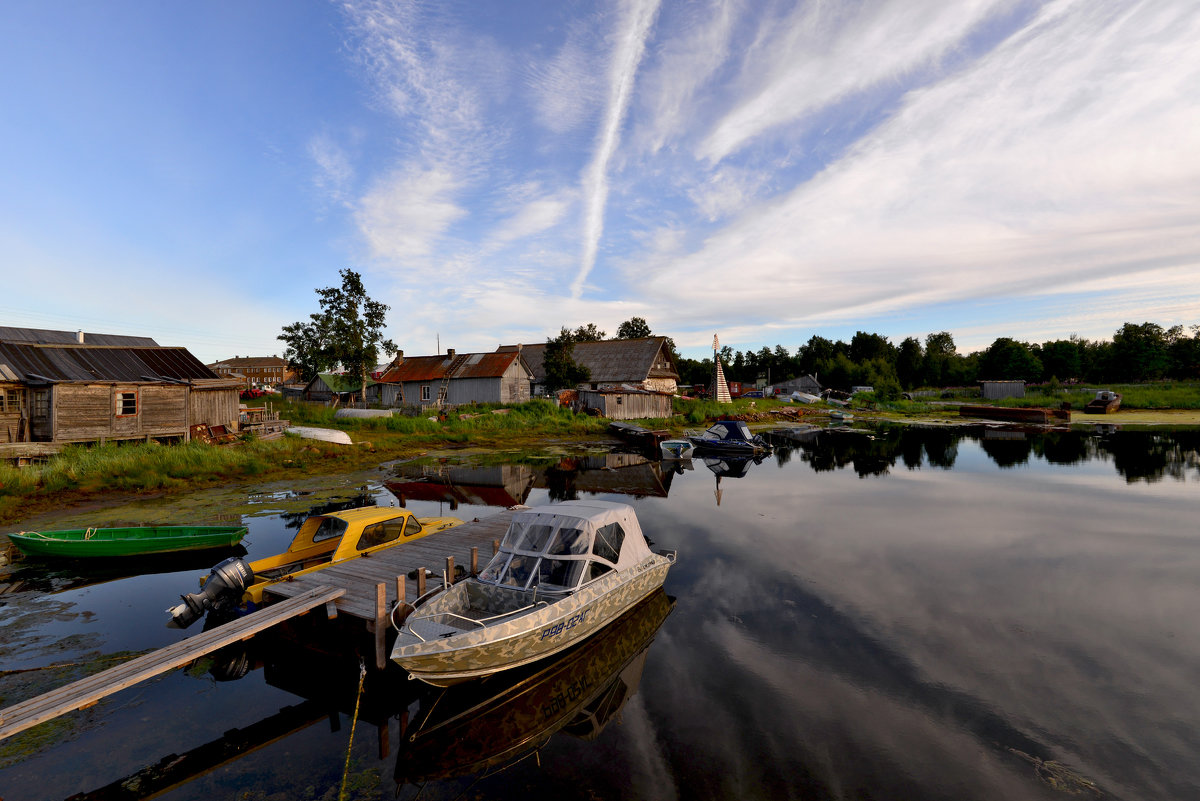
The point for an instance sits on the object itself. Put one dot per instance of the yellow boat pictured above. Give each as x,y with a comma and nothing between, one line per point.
323,540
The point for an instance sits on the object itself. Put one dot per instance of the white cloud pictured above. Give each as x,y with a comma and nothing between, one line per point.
407,211
824,52
627,55
1069,154
334,170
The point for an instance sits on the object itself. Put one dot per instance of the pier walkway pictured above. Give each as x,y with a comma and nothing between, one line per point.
365,588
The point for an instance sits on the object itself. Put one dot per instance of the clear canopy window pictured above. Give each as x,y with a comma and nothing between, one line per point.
554,555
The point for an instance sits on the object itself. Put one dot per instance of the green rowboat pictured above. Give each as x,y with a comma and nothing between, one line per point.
132,541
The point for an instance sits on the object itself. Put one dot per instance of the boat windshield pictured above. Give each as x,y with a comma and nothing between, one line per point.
730,429
330,528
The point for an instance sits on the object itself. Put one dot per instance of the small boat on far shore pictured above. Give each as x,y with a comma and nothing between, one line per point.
1105,402
126,541
677,449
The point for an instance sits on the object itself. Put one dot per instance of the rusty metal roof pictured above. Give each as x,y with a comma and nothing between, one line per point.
463,365
612,360
43,336
30,362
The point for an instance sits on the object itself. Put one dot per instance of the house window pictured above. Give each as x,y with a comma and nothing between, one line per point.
425,392
41,403
126,404
12,400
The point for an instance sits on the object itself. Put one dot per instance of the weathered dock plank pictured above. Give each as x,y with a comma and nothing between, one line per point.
87,691
359,576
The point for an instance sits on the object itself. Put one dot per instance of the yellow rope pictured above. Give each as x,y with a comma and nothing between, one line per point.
362,674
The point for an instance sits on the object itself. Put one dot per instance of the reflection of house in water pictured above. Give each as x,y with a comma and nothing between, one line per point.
509,485
605,473
500,485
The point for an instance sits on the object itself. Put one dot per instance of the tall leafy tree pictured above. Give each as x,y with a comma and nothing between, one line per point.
347,331
588,333
562,371
1140,352
633,328
306,347
940,355
1008,359
910,360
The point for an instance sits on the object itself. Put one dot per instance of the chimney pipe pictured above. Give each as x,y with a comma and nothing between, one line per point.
79,337
450,352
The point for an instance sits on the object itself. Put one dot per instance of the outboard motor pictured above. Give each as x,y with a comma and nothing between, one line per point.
225,584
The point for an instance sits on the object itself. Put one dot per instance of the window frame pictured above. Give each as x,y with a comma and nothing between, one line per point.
120,400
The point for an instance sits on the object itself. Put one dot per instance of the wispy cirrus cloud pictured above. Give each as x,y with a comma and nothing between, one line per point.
627,55
820,53
1068,153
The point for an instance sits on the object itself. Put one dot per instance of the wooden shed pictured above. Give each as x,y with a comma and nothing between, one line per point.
626,403
995,390
84,392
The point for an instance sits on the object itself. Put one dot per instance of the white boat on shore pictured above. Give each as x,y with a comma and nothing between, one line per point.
323,434
562,573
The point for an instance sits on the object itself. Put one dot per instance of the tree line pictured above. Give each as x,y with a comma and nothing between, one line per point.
1137,352
348,331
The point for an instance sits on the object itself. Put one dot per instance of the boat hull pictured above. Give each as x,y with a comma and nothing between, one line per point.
677,449
444,661
131,541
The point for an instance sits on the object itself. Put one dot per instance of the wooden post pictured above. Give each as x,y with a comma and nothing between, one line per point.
401,589
495,546
474,561
449,570
420,581
383,740
380,625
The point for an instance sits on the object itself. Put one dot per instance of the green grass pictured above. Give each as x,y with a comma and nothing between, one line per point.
1166,395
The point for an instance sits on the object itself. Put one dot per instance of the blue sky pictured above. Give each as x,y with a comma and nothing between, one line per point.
495,170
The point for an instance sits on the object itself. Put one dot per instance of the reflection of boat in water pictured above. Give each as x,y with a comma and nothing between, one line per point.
730,467
482,725
562,573
1105,402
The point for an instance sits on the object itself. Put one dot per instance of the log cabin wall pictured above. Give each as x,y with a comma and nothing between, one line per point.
214,406
83,412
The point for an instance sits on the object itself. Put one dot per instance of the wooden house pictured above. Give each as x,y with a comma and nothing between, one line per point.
455,379
644,363
79,391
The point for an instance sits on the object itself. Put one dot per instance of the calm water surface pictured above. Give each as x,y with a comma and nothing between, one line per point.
903,614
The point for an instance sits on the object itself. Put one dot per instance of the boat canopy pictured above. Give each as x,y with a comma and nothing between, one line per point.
731,429
561,547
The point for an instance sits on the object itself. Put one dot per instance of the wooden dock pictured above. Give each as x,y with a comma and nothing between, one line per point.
365,588
86,692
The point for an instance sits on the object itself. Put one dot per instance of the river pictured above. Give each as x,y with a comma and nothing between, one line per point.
886,613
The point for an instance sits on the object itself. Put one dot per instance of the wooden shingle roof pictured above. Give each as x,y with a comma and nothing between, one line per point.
612,361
